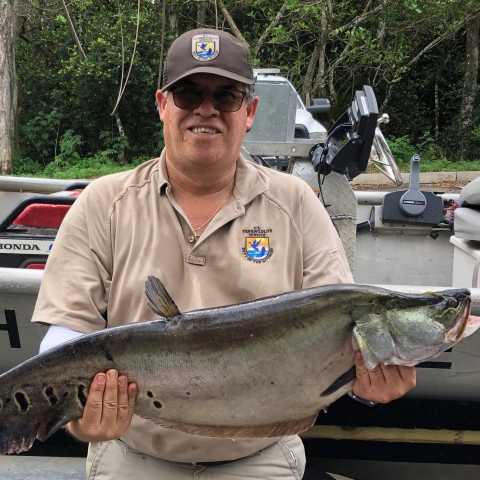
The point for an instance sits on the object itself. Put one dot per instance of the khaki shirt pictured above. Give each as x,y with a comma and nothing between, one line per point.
272,236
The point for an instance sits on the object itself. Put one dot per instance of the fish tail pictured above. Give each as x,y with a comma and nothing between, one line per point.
18,432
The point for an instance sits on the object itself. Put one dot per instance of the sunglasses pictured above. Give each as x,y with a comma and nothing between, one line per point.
190,98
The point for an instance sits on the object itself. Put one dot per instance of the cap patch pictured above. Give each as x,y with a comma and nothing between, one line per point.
205,47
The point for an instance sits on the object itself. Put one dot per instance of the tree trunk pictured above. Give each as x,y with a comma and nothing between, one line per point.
121,157
8,88
74,33
267,31
232,24
202,14
307,83
441,67
318,55
162,46
471,75
321,58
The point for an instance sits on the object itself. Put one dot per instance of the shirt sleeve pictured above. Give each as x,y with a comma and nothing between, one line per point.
324,259
57,335
76,281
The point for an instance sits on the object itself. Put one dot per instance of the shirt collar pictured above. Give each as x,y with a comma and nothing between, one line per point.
248,182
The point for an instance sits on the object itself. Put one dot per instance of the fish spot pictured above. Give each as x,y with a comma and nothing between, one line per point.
150,394
157,404
81,395
22,401
8,400
188,393
272,383
51,397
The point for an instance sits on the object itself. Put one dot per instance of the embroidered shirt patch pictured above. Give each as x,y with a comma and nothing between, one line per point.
257,249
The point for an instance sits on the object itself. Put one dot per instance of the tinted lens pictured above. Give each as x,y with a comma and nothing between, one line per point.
228,100
189,98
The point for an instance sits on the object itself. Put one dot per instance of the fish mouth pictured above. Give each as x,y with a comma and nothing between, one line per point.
463,328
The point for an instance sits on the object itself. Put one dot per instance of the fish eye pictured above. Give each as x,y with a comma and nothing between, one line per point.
452,302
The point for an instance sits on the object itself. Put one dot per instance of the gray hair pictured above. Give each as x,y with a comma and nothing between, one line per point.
249,91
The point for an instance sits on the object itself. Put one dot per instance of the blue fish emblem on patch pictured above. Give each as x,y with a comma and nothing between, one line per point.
257,248
205,49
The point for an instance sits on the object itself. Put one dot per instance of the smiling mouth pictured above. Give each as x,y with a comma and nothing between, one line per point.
204,130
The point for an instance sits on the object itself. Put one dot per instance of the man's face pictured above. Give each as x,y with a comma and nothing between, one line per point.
204,136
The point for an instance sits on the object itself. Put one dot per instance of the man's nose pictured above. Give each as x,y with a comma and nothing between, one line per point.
207,108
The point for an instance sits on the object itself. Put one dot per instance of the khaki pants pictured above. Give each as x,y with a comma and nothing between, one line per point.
114,460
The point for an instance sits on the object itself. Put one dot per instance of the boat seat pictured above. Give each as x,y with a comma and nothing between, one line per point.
467,215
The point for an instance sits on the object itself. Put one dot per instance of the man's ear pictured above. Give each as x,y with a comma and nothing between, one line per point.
161,102
251,110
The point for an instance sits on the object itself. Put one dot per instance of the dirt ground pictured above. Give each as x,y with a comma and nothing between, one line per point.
444,187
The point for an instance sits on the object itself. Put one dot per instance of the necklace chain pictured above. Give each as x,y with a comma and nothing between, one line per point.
214,213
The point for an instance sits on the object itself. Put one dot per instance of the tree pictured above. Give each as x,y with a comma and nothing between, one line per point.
8,88
471,76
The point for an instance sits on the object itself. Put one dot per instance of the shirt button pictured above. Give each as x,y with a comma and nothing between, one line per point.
191,238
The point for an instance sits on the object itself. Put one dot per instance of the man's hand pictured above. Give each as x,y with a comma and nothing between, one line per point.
108,411
384,383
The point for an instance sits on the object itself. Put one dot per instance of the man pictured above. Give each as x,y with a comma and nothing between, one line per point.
216,230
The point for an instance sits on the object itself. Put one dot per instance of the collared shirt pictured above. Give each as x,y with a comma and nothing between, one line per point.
272,236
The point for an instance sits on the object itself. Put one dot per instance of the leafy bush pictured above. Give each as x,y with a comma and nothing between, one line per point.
402,149
432,157
26,167
75,168
475,146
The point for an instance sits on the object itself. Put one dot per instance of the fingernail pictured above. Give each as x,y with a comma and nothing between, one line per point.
101,379
112,375
122,381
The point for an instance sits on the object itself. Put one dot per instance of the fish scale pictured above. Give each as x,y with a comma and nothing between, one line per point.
258,369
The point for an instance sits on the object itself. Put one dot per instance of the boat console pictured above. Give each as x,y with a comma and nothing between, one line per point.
413,206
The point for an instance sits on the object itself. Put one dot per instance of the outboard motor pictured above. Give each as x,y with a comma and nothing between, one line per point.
413,206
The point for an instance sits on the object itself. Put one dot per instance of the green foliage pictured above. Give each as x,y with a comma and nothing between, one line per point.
402,150
65,121
432,158
475,147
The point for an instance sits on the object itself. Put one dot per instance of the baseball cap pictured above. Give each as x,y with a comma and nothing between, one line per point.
206,50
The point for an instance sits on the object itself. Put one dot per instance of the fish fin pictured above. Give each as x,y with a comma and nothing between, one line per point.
48,429
273,430
340,382
159,300
18,432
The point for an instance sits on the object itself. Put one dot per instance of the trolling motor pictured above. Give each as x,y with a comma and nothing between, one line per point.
357,125
413,206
